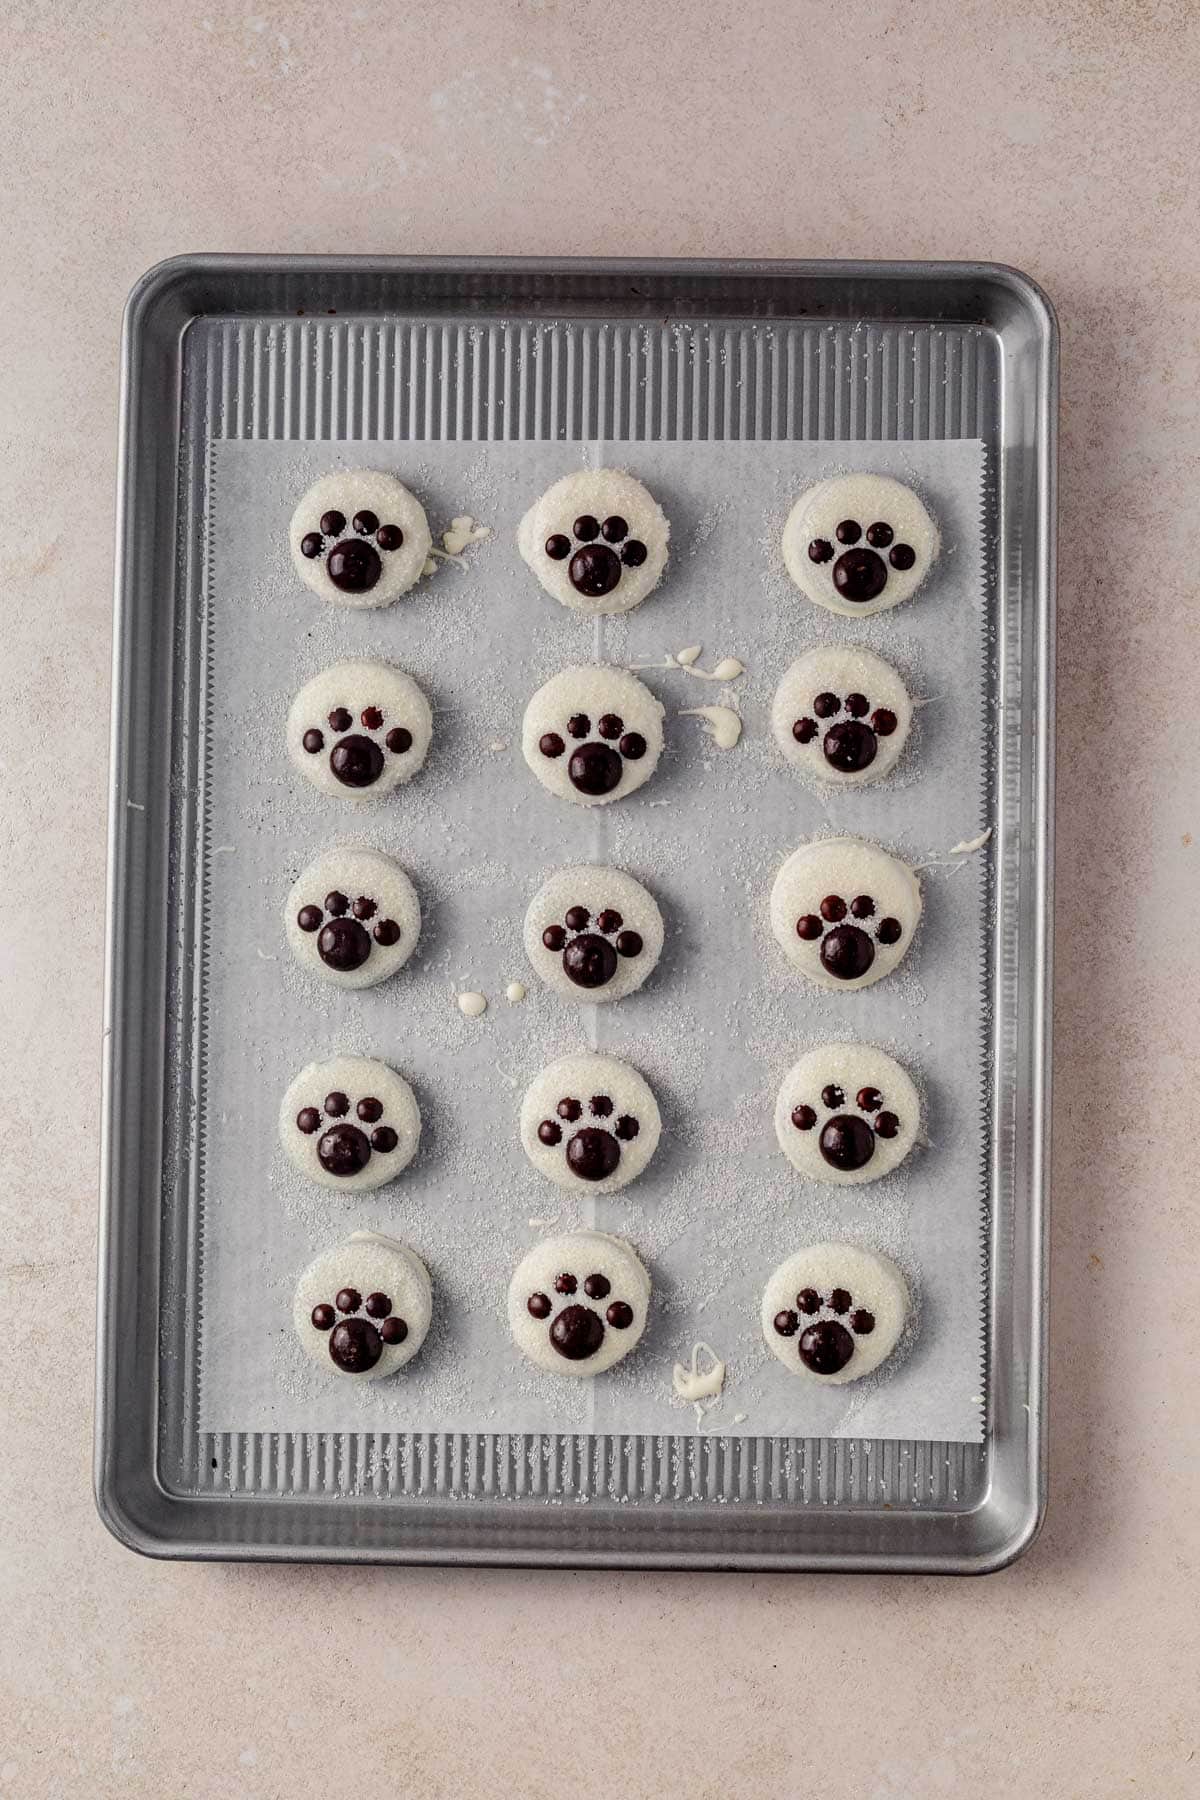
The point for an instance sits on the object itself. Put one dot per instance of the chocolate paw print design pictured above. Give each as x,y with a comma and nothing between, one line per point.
593,934
350,1123
597,540
842,715
359,538
859,544
590,1122
353,917
578,1303
846,1113
593,734
359,729
363,1308
844,911
834,1312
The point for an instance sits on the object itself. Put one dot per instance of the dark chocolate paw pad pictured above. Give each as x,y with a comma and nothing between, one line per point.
595,767
600,552
352,560
358,755
345,1148
860,571
591,948
828,1326
593,1151
847,951
359,1330
849,738
345,929
577,1330
847,1138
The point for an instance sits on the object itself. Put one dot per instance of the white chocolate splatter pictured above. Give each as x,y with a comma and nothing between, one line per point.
544,1224
693,1383
721,723
515,991
472,1006
463,531
955,857
969,845
685,658
728,669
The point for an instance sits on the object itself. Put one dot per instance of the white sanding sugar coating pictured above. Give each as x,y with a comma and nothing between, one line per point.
846,1113
593,934
362,1309
593,734
350,1124
841,714
590,1122
578,1303
596,540
844,911
359,538
359,729
859,544
833,1312
352,917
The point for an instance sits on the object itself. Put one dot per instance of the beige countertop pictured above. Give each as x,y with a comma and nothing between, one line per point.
1060,137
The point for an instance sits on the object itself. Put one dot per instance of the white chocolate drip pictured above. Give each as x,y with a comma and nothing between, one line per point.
694,1383
728,669
720,722
472,1005
514,991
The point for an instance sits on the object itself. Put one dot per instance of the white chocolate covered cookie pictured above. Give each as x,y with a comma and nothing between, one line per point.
590,1122
353,917
359,729
833,1312
859,544
351,1123
593,734
577,1303
359,538
593,934
841,714
846,1113
844,911
363,1308
596,540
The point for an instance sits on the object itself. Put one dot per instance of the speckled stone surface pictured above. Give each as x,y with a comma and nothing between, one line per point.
1057,136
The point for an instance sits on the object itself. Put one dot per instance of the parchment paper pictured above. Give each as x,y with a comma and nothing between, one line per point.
714,1029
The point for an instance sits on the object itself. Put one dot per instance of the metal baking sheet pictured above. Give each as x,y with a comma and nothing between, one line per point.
655,352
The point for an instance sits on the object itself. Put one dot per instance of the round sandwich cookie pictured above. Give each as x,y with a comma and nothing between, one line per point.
846,1113
577,1303
844,912
859,544
590,1122
834,1312
352,917
593,934
593,734
350,1123
359,729
842,715
596,540
363,1308
359,538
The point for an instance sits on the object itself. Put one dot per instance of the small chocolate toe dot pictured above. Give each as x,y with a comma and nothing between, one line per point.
554,938
377,1306
348,1300
868,1099
577,917
803,1118
879,535
833,908
579,725
565,1284
627,1128
384,1139
857,705
808,927
825,705
370,1110
558,547
340,719
570,1110
365,523
832,1095
371,718
633,746
336,903
538,1305
587,528
386,933
550,744
313,740
820,550
848,532
309,918
611,725
620,1315
629,943
608,922
311,544
389,537
883,721
902,556
808,1300
332,523
364,907
614,529
398,740
337,1104
323,1317
601,1106
804,730
634,554
549,1133
597,1287
308,1120
862,906
393,1331
887,1125
862,1321
786,1323
890,931
839,1300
